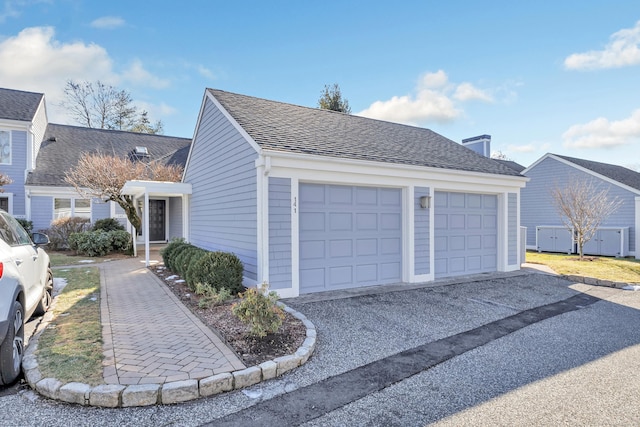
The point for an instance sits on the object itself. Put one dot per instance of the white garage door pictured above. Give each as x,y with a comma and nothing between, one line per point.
349,236
466,233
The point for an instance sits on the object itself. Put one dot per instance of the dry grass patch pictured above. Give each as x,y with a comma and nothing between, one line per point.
605,268
70,349
60,258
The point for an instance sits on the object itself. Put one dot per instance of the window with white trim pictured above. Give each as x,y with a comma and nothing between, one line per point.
64,207
5,147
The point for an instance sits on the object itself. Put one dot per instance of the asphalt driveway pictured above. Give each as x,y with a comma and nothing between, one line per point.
579,366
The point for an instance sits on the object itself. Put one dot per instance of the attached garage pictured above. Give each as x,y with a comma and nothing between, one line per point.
466,233
349,236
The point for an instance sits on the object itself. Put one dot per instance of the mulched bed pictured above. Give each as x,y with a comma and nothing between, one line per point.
251,350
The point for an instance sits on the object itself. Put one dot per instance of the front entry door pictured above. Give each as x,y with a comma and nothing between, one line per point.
157,220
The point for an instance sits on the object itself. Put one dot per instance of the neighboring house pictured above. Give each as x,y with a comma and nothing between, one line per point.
618,235
314,200
37,154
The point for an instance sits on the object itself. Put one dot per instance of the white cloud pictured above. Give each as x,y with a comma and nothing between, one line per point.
205,72
434,99
468,92
137,74
35,61
107,22
602,133
622,50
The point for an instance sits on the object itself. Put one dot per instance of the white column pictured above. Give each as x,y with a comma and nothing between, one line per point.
146,227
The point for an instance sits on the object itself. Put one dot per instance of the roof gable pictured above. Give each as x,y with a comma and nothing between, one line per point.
290,128
19,105
615,173
63,145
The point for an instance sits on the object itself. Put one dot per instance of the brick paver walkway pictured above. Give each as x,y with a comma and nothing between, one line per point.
150,337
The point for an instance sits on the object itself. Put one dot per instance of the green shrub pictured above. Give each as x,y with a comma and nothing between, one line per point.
193,260
168,251
210,296
91,243
182,261
120,240
107,224
27,225
261,312
100,243
218,270
62,228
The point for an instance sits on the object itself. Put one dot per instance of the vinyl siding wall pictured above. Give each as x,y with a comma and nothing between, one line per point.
421,233
512,224
175,217
279,233
537,208
39,128
41,212
99,210
223,206
16,171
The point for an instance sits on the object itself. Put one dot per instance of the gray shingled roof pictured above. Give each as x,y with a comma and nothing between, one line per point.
18,105
291,128
57,157
614,172
511,164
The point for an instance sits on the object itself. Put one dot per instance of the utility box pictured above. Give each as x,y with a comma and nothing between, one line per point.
608,241
554,238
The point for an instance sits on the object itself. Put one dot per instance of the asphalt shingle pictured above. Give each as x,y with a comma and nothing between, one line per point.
63,145
18,105
617,173
290,128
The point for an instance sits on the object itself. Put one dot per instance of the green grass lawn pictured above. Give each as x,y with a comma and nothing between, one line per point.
606,268
70,349
60,258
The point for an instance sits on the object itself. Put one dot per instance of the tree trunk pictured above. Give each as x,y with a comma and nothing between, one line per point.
127,203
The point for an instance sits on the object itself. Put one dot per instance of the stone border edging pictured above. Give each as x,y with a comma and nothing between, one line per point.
119,396
596,282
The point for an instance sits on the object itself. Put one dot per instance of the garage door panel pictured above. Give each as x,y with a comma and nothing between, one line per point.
367,221
313,278
340,195
313,195
340,248
367,273
366,247
362,238
312,221
466,238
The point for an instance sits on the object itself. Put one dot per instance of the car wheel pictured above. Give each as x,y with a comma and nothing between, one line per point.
12,349
47,295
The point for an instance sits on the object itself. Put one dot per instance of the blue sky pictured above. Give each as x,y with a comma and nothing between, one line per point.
546,76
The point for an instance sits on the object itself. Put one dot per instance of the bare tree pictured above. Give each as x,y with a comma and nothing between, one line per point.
103,176
499,155
331,99
98,105
4,180
583,206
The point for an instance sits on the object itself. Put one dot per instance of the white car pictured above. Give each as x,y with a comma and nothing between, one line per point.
26,286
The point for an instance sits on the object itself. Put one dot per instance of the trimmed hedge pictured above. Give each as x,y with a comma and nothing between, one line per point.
183,259
108,224
99,243
171,251
218,270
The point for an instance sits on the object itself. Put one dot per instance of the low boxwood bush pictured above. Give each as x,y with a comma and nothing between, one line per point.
182,261
218,270
120,240
107,224
170,250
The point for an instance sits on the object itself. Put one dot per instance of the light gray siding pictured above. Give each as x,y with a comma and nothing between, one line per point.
39,127
421,233
279,233
536,204
16,170
99,210
175,217
41,212
512,224
222,173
